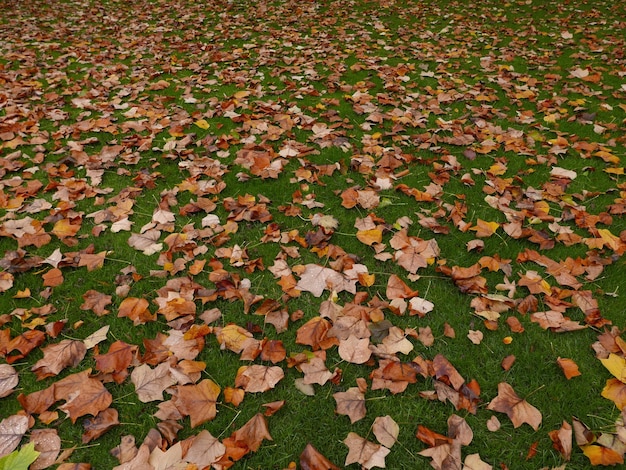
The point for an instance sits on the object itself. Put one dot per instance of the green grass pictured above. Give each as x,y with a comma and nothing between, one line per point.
426,72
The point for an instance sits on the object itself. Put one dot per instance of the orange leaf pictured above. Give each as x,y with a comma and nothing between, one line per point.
53,278
599,455
569,368
615,390
485,229
369,237
233,395
136,309
199,402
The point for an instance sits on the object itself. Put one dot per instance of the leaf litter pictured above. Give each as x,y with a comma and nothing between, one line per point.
152,131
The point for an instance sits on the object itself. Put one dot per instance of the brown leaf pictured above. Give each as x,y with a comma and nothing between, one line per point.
355,350
150,383
386,430
311,459
82,394
364,452
53,278
136,309
205,450
517,409
96,302
48,443
8,380
12,429
199,402
314,333
117,360
351,403
315,279
253,433
258,378
101,423
562,440
56,357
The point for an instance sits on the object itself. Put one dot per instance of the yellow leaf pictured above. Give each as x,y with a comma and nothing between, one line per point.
615,391
616,365
599,455
22,294
202,124
610,240
369,237
615,171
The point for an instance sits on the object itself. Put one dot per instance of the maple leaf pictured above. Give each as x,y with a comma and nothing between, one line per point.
600,455
67,353
615,390
146,242
53,278
204,450
315,279
96,302
117,360
516,408
351,403
82,394
364,452
252,433
314,333
311,459
150,383
199,402
355,350
258,378
315,371
136,309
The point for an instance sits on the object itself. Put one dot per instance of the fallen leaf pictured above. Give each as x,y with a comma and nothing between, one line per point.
364,452
311,459
386,430
516,408
351,403
569,368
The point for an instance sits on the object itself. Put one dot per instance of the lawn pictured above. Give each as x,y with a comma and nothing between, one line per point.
316,235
